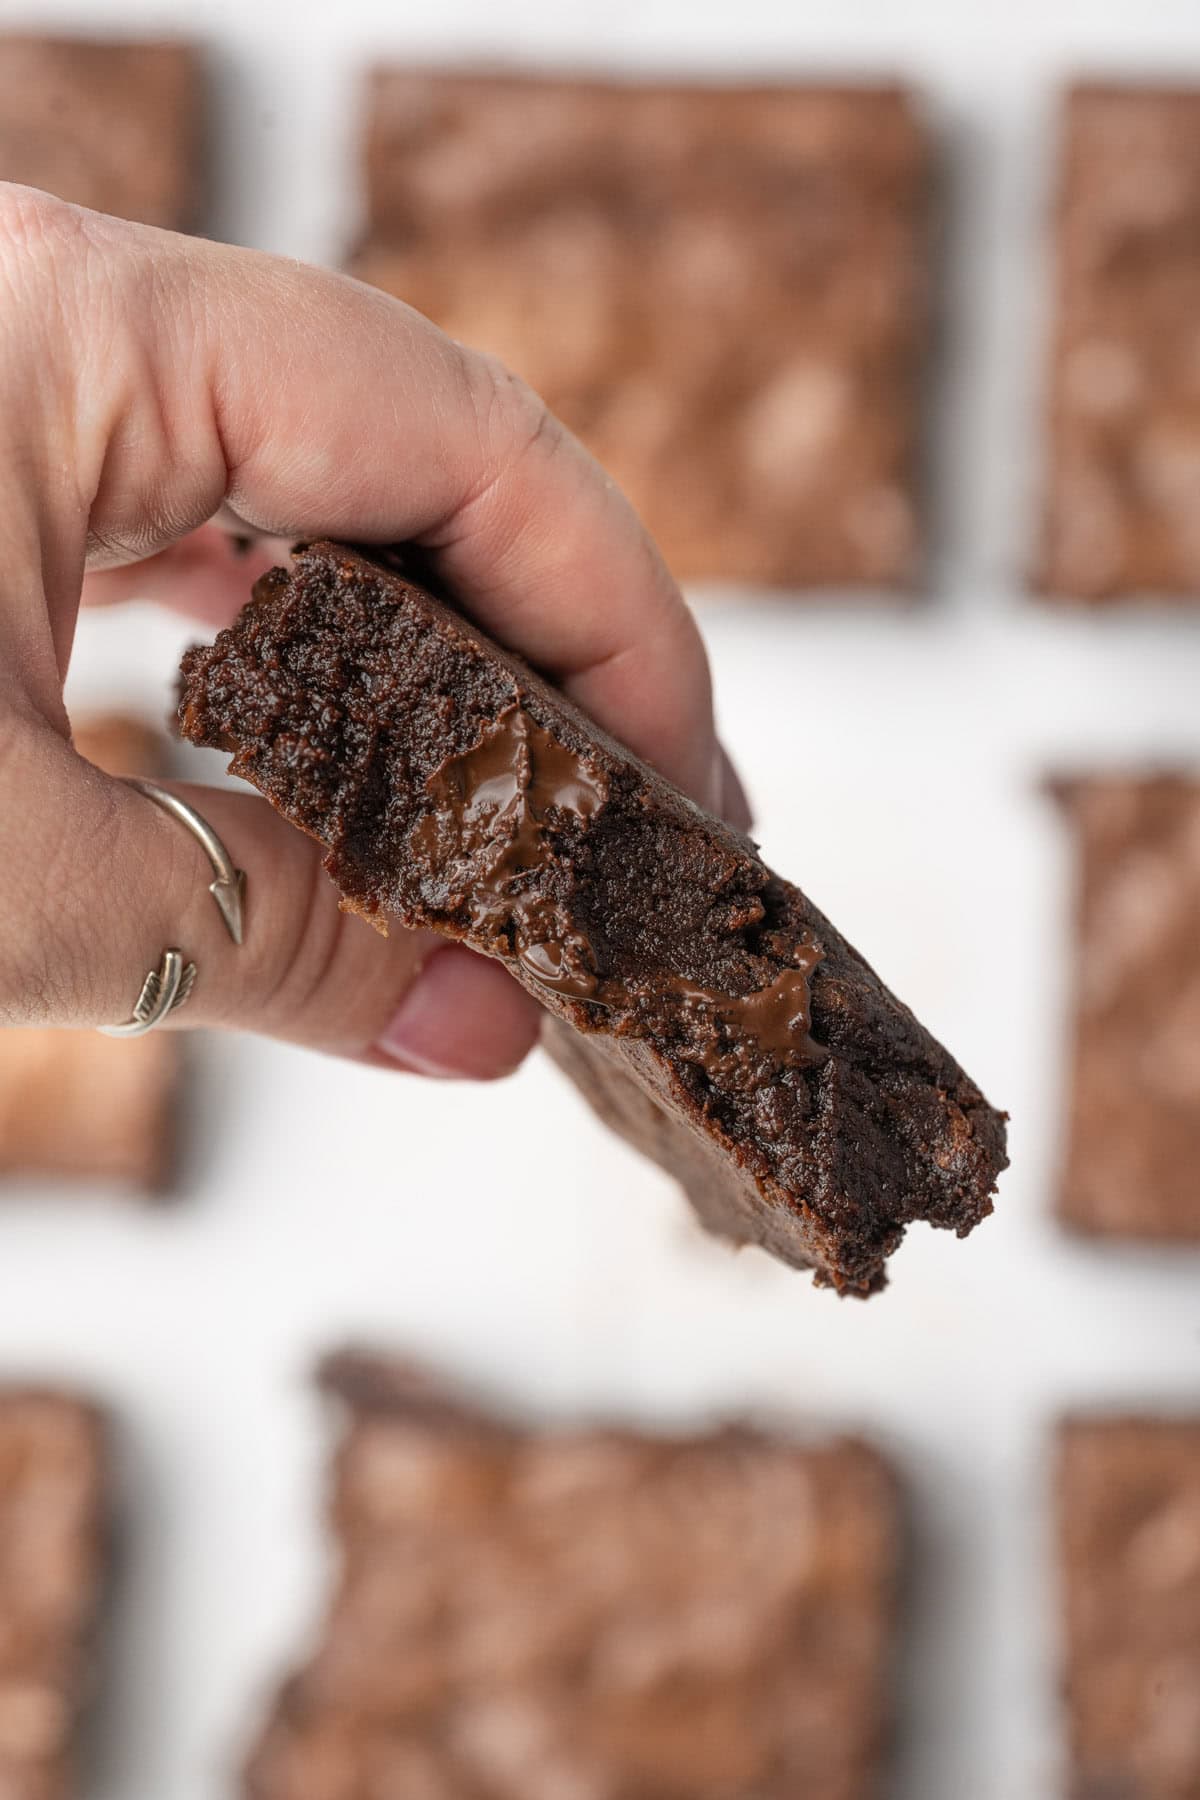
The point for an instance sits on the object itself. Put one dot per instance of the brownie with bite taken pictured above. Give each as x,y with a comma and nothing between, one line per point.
703,1004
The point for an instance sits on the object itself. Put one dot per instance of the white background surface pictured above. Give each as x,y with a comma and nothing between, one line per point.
894,762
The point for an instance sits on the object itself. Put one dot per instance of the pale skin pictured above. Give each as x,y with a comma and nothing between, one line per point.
155,390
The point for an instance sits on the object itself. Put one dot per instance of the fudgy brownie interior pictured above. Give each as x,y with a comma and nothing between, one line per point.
453,788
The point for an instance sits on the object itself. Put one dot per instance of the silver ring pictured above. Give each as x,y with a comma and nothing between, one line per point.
166,988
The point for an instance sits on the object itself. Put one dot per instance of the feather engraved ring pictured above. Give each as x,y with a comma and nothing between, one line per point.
166,988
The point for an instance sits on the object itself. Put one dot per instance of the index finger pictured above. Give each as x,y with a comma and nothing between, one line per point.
337,411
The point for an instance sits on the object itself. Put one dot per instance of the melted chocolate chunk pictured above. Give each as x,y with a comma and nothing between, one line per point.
776,1019
705,1007
495,800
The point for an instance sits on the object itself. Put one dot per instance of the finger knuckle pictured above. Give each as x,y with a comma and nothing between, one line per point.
35,223
514,420
303,954
329,979
40,956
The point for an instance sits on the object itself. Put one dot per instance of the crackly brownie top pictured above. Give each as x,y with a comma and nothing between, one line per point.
1135,1133
1129,1531
592,1612
51,1512
445,148
1125,382
114,125
722,291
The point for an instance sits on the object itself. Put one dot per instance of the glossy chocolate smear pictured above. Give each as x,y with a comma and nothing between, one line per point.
776,1020
492,806
516,772
494,803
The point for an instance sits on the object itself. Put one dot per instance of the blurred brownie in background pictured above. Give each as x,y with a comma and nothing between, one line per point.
1133,1152
594,1612
78,1106
722,291
1123,452
116,125
53,1503
1129,1537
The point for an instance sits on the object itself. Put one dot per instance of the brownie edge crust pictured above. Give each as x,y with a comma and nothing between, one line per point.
716,1017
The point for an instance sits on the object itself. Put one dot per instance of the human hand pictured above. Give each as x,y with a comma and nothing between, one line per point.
149,382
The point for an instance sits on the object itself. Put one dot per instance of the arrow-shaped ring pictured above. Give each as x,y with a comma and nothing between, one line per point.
168,986
229,887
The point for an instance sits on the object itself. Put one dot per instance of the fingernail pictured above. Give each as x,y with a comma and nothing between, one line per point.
401,1043
464,1018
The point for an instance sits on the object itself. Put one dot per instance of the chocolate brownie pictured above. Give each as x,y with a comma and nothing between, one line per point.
114,126
713,1007
723,291
1129,1537
1124,402
593,1613
76,1105
1133,1151
53,1480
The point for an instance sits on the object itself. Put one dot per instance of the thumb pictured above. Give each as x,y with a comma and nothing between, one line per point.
96,881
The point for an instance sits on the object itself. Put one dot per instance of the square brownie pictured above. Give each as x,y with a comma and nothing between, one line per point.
113,125
1129,1543
1123,450
1133,1143
75,1105
595,1613
53,1483
704,1005
723,291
